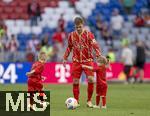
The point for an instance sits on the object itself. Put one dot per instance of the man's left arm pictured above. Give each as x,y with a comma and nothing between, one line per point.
95,45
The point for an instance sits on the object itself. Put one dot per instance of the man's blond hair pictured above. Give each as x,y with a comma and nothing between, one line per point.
78,21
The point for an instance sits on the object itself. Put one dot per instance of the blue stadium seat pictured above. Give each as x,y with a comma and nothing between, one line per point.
47,30
69,27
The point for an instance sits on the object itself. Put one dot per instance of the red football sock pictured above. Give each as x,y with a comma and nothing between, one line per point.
90,90
97,100
103,101
76,91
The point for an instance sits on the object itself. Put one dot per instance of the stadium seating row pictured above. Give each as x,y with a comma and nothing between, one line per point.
50,16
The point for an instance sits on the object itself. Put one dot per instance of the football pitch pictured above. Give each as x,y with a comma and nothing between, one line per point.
122,100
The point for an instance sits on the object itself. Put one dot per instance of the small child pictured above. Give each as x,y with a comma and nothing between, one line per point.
101,83
35,78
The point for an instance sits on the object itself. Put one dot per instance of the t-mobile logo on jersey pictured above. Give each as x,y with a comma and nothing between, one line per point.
62,72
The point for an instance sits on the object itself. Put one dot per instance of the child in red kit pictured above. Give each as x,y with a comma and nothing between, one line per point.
101,83
35,78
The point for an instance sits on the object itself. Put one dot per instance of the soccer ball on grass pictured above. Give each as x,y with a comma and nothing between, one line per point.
71,103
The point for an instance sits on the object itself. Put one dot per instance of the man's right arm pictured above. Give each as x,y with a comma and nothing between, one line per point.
94,68
88,67
68,49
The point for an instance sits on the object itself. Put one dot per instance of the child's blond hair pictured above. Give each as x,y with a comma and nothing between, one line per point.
40,55
102,61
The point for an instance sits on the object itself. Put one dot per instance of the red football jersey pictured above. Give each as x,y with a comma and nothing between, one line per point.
82,46
38,67
100,72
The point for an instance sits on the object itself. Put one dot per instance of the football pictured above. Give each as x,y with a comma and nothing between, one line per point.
71,103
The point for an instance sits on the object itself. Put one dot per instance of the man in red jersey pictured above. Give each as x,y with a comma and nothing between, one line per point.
81,42
35,78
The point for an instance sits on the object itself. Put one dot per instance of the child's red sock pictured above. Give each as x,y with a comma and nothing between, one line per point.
104,101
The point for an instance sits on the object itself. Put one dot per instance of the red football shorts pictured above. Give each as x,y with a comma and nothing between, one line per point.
77,69
34,86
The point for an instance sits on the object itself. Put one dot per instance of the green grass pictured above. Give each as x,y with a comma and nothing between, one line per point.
122,100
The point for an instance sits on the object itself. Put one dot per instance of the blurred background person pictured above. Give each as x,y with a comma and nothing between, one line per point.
106,35
58,39
125,39
127,59
34,12
111,55
31,48
45,40
61,23
32,43
99,26
139,21
59,36
3,40
12,48
147,19
117,21
140,59
128,5
49,50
